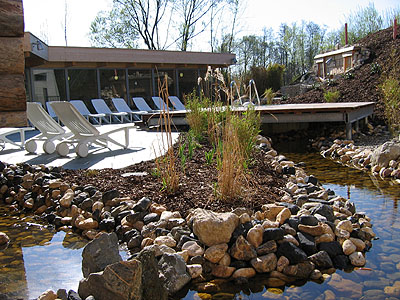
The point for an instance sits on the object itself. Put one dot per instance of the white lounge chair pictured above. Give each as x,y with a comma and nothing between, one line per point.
82,108
102,108
142,105
50,130
84,133
177,103
6,131
121,106
159,103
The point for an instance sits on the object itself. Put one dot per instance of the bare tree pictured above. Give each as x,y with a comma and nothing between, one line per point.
191,11
128,21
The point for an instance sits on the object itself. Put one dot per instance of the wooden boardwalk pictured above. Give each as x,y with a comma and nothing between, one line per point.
348,113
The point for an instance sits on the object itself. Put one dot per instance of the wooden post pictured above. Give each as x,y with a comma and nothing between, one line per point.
12,65
345,33
394,29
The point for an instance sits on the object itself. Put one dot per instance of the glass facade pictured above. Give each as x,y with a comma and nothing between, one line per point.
186,78
44,85
82,84
48,85
112,84
140,83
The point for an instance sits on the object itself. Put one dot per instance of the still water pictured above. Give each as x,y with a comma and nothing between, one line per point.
39,258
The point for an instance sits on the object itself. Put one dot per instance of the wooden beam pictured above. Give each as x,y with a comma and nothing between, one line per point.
13,119
11,55
12,92
11,18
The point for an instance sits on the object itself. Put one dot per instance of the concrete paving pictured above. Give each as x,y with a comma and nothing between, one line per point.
143,145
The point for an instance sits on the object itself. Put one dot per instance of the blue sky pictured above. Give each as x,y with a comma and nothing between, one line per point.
45,18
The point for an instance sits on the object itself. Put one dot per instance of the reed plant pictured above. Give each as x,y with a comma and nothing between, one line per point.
231,175
166,164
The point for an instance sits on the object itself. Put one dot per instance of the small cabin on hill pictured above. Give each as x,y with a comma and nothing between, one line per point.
332,63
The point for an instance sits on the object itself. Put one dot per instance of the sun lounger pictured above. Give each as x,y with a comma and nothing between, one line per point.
82,108
159,103
121,106
84,133
102,108
177,103
6,131
142,105
50,130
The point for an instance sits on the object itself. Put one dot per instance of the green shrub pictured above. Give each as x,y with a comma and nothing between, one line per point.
265,78
331,96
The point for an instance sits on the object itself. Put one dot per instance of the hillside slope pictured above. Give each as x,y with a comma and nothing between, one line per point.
364,86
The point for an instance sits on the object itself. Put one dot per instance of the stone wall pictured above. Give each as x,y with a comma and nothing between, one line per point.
12,64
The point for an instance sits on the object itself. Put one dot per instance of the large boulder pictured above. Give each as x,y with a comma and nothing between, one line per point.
152,286
173,272
119,281
100,253
385,153
213,228
291,252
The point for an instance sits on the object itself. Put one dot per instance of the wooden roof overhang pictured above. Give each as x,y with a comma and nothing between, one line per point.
85,57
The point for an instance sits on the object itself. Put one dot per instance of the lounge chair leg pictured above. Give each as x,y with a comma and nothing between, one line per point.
62,149
82,150
49,147
30,146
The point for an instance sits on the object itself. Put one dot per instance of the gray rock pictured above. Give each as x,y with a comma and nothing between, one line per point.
293,253
273,234
152,286
213,228
385,153
321,260
100,253
265,263
109,195
307,243
173,272
142,205
119,281
324,210
308,220
62,294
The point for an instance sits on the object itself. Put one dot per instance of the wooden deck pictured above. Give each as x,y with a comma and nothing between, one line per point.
349,113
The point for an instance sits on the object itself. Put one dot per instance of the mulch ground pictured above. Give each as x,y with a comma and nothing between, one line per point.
196,183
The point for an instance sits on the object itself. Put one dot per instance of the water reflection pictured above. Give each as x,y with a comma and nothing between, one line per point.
26,269
37,258
381,275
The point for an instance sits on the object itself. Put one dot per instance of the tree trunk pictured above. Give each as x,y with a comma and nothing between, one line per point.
11,18
11,56
12,93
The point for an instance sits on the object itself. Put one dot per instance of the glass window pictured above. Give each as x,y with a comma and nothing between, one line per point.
82,84
48,85
112,84
140,83
187,80
160,75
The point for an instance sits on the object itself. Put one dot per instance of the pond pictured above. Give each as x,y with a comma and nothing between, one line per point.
39,258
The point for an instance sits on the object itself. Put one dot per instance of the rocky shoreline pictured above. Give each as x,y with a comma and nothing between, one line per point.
306,235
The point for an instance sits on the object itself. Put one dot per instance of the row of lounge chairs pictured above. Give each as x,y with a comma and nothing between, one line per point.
77,118
123,111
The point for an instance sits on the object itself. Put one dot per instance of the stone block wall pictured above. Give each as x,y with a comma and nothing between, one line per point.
12,64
